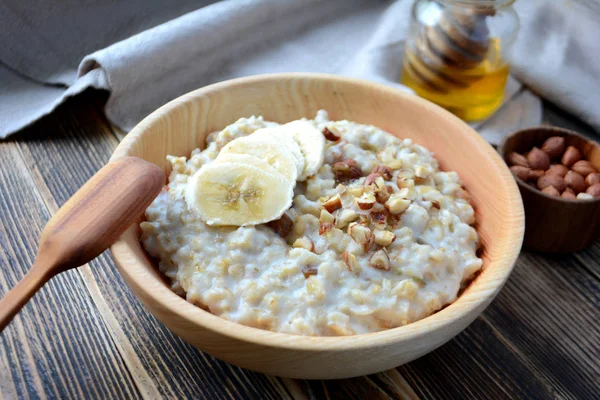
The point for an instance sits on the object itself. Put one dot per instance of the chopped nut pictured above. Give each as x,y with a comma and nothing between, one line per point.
351,262
381,195
355,191
330,135
345,216
379,219
309,270
326,216
396,204
304,243
422,172
346,170
383,238
333,203
408,193
282,226
406,174
361,235
395,164
384,171
370,179
366,201
380,260
325,227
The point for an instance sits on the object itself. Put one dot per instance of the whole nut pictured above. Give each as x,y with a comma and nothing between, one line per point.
583,167
575,181
594,190
568,195
568,189
520,172
557,169
551,191
514,158
538,159
592,179
554,146
552,180
571,156
535,174
585,196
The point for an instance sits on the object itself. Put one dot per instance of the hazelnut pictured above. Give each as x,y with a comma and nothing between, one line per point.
325,227
383,238
571,156
309,270
326,216
361,235
346,170
535,174
585,196
514,158
304,243
520,172
366,201
370,179
552,180
345,216
592,179
351,262
594,190
583,167
331,136
380,260
575,181
382,195
568,189
394,164
396,204
379,219
568,195
551,191
282,226
538,159
384,171
557,169
554,146
333,203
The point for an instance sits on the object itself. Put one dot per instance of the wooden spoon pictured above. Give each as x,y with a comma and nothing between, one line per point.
87,224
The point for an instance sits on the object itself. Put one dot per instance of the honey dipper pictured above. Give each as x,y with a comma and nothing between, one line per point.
445,54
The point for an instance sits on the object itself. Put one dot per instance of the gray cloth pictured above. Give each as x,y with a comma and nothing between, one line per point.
147,52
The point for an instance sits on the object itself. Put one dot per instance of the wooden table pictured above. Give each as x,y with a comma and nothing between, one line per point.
85,335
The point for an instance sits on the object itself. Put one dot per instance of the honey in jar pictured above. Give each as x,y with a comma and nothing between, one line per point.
455,54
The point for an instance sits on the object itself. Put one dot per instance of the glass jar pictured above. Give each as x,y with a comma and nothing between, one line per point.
456,53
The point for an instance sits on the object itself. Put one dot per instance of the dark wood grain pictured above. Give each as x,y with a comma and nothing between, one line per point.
540,339
59,346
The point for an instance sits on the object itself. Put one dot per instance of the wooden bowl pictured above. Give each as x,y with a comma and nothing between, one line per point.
182,125
554,224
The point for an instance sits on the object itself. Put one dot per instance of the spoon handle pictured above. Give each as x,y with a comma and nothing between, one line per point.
20,294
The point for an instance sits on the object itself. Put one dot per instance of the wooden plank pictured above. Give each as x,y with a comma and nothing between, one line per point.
73,144
58,346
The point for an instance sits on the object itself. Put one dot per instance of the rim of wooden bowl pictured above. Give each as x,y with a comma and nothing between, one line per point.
479,293
557,130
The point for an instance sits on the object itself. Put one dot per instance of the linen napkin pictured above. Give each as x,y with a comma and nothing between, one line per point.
149,52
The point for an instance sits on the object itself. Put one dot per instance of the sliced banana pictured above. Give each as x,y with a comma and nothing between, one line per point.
231,193
312,145
267,149
248,160
284,140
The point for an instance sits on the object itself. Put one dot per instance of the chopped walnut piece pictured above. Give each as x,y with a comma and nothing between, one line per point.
384,171
309,270
333,203
330,135
282,226
346,170
380,260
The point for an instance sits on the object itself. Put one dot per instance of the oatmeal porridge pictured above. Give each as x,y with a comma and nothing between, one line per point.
316,227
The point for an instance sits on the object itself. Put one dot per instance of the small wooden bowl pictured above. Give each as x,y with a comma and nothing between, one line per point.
554,224
183,124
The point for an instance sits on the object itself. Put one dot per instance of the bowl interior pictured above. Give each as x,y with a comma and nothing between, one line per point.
182,125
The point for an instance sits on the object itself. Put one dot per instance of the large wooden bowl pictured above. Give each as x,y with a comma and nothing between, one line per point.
182,125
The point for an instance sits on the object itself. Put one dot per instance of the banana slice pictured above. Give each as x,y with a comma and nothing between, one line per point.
267,149
312,145
285,140
248,160
231,193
